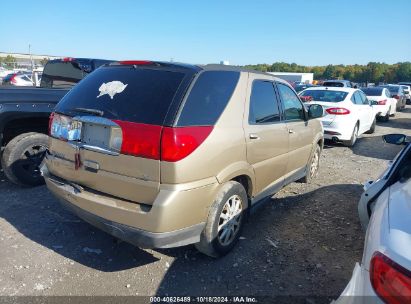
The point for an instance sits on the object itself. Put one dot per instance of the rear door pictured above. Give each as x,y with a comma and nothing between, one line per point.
368,112
111,123
266,134
300,130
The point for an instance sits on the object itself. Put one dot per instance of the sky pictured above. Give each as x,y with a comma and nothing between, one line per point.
307,32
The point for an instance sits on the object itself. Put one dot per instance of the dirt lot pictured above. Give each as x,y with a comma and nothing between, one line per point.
305,241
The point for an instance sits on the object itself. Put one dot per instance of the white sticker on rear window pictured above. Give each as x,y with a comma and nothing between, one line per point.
111,88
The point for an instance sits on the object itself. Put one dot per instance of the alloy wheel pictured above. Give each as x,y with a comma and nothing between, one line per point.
230,220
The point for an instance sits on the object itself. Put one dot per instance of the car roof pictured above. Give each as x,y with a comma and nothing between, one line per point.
337,80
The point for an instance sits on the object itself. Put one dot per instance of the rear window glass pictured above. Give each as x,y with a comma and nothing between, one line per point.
124,93
208,98
325,95
333,84
372,91
62,74
393,89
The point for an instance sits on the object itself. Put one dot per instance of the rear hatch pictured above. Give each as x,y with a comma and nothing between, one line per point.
105,133
330,100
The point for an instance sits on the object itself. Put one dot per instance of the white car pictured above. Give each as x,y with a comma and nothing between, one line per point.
348,112
384,275
407,92
382,102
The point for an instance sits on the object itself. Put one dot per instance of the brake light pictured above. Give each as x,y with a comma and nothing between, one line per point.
178,143
338,111
136,62
13,79
382,102
68,59
139,139
391,281
396,97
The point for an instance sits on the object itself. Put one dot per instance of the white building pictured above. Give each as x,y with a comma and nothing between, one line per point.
294,77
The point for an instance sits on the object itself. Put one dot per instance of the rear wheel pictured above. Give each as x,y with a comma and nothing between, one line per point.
372,129
354,136
225,221
386,117
22,157
312,166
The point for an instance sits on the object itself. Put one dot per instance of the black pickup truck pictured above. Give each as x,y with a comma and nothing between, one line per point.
24,117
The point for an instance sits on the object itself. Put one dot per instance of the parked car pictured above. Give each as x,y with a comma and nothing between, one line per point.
24,117
408,101
21,79
348,112
397,92
339,84
384,275
301,87
383,103
165,154
407,93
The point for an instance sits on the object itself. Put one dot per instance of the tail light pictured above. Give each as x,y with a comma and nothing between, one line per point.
338,111
391,282
138,139
13,79
178,143
396,97
382,102
64,127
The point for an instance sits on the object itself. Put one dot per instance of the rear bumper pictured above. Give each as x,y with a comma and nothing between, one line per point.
176,218
138,237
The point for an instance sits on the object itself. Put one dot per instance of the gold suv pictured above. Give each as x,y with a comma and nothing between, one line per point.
164,154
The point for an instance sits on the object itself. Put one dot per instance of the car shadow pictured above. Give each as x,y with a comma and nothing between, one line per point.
293,245
37,215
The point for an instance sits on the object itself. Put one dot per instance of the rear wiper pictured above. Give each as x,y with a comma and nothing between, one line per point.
89,111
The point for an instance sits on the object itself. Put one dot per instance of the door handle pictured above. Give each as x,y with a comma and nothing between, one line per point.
291,131
253,136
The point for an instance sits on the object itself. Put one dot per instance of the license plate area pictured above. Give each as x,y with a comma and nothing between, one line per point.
96,135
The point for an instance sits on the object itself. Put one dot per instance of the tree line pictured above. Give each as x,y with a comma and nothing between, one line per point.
374,72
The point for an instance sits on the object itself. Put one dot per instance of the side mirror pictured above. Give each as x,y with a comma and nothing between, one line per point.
315,111
395,139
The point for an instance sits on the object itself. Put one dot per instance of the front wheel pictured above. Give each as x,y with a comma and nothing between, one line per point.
225,220
22,157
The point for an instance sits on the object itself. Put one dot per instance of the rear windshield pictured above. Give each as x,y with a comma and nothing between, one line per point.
372,91
124,93
393,89
61,74
333,84
208,98
325,95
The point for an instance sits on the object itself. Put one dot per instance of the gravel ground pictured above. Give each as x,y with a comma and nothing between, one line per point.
304,241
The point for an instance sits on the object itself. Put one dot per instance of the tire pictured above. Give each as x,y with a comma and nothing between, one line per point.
354,136
372,129
312,166
215,242
386,118
22,157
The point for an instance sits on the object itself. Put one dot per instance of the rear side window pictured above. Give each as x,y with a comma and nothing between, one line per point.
356,98
263,103
124,93
208,98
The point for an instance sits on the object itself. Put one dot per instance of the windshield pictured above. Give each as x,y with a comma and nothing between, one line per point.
325,95
372,91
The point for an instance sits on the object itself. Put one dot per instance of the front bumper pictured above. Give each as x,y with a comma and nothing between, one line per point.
176,218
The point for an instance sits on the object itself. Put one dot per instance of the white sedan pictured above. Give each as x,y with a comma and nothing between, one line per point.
384,275
348,112
382,101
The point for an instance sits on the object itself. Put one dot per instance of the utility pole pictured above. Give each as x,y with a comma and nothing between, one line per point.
31,58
